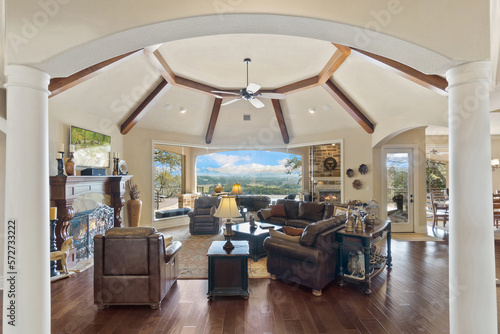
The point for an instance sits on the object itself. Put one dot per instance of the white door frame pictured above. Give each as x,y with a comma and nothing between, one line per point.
413,215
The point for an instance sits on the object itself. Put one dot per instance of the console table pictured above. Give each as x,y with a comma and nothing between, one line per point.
364,241
65,189
228,270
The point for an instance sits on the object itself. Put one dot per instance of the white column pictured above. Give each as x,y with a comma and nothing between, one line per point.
27,278
472,292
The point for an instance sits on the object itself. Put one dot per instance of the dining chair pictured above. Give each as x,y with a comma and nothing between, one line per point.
496,209
439,208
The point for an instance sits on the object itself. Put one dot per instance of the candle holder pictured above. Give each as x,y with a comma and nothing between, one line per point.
115,165
53,248
60,165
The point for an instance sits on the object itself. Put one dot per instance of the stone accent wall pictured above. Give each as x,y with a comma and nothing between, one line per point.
318,155
187,200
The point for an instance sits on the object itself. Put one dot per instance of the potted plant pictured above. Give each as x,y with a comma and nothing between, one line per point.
134,205
398,199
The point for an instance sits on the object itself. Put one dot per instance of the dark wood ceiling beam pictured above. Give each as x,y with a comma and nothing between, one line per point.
347,104
213,120
339,56
161,64
59,85
145,106
281,120
433,82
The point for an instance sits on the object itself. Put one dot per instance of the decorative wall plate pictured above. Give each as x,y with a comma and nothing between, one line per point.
356,184
330,163
363,169
349,172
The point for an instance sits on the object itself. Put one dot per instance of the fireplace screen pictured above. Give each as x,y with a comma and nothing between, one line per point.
329,196
85,225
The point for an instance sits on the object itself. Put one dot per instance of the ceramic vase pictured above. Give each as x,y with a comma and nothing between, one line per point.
69,165
134,207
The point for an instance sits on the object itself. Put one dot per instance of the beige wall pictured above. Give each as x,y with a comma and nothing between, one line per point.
415,137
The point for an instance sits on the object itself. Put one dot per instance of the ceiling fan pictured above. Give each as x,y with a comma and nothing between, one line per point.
250,93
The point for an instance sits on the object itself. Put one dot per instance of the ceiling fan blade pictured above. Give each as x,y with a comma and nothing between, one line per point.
256,103
220,91
252,87
229,102
277,96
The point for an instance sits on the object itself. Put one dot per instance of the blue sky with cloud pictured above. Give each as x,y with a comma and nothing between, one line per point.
242,162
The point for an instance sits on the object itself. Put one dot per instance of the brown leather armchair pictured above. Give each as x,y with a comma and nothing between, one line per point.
201,219
312,262
132,266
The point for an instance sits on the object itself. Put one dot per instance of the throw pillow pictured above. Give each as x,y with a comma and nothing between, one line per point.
293,231
168,239
266,213
280,235
311,211
311,231
278,210
339,210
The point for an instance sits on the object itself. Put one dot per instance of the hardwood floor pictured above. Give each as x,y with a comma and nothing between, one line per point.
410,298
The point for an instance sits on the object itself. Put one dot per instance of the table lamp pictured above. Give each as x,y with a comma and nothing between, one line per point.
236,191
228,209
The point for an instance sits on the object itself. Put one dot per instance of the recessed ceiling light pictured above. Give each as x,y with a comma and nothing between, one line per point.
182,110
326,107
167,106
312,110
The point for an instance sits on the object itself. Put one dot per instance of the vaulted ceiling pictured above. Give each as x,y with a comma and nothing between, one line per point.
328,88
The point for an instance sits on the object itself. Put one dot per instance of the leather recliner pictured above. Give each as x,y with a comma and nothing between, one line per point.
201,219
132,266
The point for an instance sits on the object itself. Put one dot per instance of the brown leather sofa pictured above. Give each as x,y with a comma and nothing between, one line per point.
201,219
312,261
297,213
132,266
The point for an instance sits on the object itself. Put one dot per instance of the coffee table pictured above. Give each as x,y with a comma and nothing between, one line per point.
255,237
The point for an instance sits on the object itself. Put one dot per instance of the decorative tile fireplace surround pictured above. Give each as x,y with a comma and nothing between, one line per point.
85,225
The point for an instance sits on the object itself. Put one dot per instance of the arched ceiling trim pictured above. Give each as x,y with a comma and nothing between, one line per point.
107,47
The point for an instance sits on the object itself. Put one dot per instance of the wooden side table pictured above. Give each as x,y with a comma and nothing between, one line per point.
364,241
228,271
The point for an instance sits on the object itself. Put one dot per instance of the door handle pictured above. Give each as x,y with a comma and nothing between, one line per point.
411,198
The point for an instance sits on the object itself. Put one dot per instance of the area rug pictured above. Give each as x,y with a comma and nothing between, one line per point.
413,237
193,261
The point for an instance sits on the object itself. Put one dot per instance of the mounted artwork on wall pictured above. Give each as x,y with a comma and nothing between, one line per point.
91,148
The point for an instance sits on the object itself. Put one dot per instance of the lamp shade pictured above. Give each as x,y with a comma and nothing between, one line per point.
236,189
227,208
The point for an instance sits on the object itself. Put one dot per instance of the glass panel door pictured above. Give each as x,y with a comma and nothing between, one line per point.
398,193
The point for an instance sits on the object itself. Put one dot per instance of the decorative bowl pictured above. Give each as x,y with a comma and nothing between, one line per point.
218,189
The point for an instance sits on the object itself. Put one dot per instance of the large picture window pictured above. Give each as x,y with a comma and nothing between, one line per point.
168,169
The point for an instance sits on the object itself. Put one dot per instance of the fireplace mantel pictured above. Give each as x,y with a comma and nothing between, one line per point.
65,189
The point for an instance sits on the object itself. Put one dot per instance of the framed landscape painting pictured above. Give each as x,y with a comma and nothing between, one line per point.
91,148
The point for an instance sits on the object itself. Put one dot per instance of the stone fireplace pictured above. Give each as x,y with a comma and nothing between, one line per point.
326,183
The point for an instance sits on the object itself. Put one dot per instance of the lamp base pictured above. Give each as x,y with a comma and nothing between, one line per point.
228,246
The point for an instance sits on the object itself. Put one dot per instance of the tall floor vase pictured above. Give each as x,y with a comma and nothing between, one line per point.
134,207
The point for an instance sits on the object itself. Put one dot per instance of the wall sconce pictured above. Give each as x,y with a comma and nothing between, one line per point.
495,164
